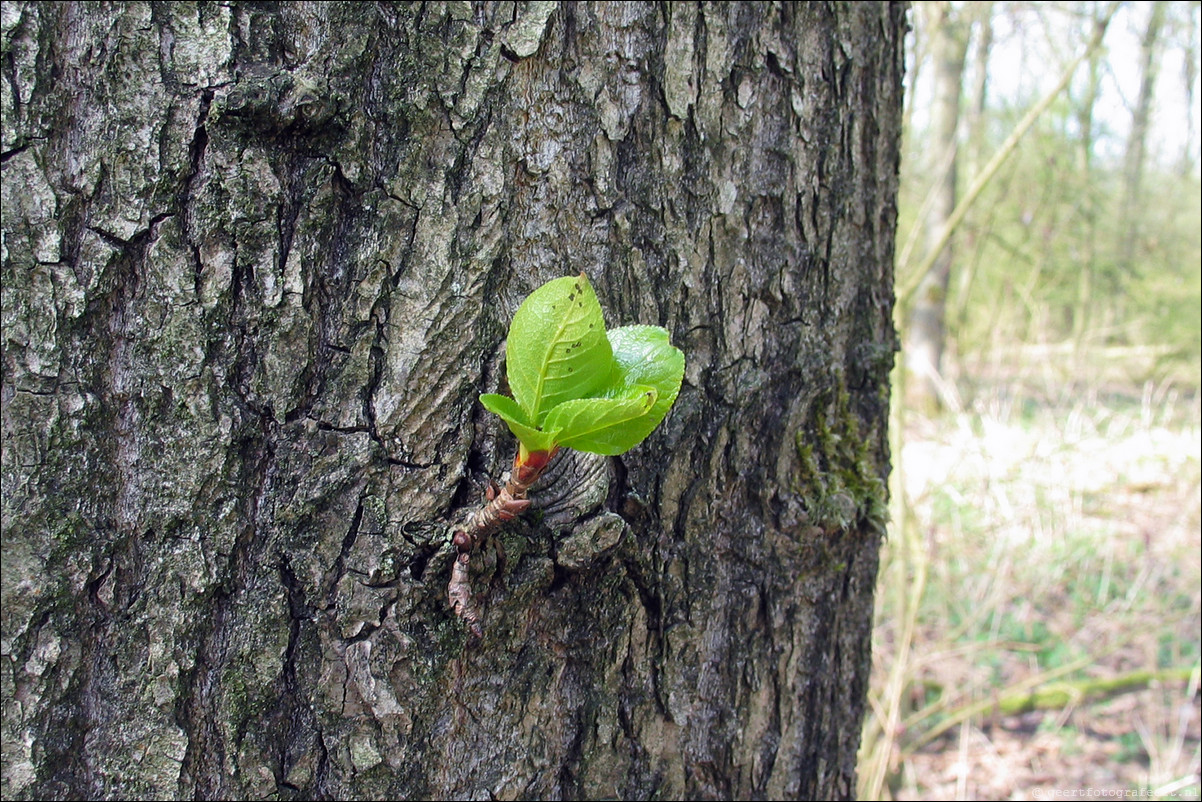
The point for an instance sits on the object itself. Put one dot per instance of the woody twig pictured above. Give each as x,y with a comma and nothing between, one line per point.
502,506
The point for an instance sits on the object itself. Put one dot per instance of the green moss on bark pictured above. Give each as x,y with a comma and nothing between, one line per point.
838,477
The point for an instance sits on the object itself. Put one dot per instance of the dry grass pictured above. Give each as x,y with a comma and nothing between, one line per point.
1039,541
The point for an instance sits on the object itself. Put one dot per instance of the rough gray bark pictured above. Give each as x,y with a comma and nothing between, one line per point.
258,263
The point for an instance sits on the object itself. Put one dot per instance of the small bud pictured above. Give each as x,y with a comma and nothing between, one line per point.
462,541
512,508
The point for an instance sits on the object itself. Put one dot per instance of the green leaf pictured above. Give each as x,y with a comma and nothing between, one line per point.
515,418
643,355
600,425
575,386
557,347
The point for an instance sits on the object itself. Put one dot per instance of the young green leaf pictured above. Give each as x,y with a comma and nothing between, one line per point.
515,418
557,347
575,386
599,425
643,355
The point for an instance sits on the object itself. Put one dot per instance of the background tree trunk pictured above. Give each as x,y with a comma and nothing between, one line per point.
1189,85
976,133
1135,157
259,260
926,330
977,147
1080,312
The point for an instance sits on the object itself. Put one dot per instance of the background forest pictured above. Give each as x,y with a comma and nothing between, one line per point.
1038,605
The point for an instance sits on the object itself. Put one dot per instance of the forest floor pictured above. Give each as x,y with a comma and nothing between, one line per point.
1038,611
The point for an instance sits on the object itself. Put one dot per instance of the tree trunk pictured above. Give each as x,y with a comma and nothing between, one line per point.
926,330
1189,85
1081,311
1135,156
259,260
977,141
976,125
